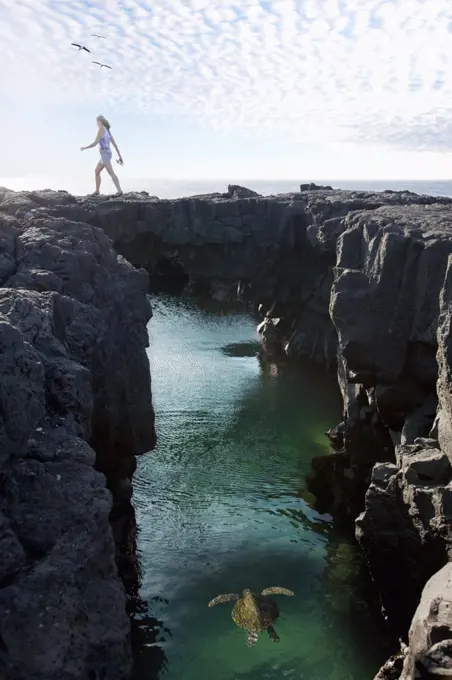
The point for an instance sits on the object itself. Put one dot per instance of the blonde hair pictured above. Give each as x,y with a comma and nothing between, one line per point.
104,121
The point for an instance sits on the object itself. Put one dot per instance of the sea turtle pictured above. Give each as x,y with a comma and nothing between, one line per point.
253,612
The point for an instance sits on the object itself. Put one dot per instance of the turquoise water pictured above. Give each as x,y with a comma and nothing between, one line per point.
220,506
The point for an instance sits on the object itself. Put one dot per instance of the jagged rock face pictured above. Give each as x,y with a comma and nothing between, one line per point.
73,372
429,653
444,387
389,273
405,529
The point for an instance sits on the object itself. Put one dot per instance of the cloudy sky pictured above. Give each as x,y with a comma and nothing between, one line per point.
305,89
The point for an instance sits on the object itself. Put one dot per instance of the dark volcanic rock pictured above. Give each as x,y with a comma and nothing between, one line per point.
430,636
385,256
74,379
393,667
360,280
405,529
390,270
311,186
444,419
236,191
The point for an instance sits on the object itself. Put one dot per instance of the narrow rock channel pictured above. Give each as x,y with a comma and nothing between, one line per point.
222,504
360,282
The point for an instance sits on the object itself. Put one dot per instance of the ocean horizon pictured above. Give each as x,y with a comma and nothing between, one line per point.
178,188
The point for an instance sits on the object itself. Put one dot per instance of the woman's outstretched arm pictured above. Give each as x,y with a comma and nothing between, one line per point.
96,141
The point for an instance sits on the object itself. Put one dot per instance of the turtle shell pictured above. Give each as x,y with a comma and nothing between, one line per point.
255,613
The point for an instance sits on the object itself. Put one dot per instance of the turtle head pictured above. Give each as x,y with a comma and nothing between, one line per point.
247,594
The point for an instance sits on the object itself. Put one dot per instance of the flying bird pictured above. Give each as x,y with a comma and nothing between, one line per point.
98,62
98,36
81,47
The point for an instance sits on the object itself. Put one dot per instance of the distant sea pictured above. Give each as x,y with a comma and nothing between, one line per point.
180,188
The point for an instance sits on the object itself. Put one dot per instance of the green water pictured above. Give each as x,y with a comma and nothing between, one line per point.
219,506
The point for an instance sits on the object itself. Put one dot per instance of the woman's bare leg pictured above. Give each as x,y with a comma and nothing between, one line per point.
99,167
114,177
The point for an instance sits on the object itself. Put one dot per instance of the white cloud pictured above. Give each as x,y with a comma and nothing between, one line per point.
376,71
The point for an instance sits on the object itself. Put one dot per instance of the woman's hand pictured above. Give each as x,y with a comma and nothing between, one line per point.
82,148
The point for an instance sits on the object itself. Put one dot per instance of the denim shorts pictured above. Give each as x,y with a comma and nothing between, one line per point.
105,155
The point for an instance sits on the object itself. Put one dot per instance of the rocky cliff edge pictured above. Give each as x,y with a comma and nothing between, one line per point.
74,399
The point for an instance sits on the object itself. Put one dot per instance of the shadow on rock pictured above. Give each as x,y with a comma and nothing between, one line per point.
349,589
149,659
335,487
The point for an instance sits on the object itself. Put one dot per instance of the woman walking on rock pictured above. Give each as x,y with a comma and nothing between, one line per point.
104,138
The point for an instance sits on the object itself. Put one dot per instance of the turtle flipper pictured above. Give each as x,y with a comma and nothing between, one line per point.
276,590
229,597
273,635
252,638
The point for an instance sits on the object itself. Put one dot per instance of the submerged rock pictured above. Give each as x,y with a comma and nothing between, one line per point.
393,667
